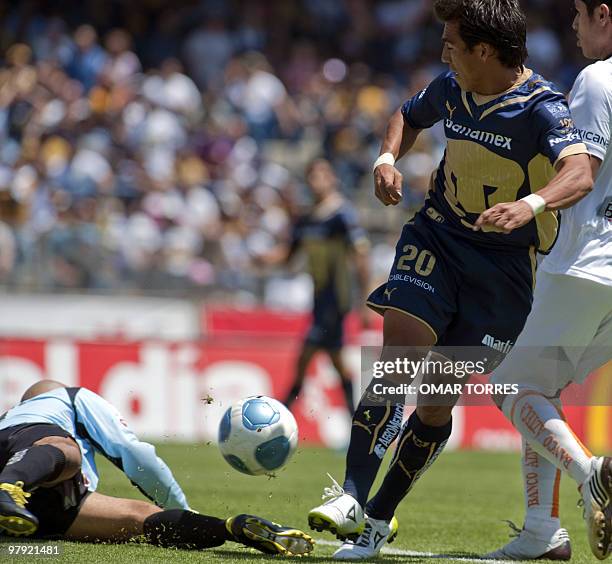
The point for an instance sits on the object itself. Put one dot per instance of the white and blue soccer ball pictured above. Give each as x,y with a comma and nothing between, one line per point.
257,435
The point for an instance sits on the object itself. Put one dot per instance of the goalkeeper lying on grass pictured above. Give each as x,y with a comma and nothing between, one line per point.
48,479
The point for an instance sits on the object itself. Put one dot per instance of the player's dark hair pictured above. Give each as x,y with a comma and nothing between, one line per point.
592,4
500,23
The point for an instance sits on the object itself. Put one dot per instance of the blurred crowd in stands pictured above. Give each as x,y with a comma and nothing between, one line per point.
158,146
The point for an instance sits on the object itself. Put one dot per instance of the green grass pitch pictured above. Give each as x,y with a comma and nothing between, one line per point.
456,508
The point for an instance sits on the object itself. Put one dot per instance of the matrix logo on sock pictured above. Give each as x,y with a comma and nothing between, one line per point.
392,429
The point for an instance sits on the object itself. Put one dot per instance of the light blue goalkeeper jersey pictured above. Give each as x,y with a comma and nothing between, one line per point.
98,427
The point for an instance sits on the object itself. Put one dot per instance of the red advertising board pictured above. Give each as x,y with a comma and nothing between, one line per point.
179,390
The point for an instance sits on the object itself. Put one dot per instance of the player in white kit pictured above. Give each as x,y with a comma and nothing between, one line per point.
568,333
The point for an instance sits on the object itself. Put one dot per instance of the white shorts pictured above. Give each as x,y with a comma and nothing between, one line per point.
567,335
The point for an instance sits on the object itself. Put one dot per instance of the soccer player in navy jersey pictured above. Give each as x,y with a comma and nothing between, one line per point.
510,137
336,247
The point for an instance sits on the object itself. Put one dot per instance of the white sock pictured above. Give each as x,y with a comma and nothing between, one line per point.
541,481
544,427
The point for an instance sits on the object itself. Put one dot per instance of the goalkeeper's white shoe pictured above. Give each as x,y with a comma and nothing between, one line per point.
530,546
597,499
341,514
370,541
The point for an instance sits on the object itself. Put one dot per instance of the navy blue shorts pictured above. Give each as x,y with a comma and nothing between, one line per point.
57,507
327,329
468,295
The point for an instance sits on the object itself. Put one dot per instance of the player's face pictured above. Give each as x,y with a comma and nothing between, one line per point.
587,31
464,63
581,27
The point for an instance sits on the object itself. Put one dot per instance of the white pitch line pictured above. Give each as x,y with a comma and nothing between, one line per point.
428,555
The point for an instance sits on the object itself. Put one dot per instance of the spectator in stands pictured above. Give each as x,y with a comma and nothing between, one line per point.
182,171
88,58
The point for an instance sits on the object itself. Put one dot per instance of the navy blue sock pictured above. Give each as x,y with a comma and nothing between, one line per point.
374,429
417,449
34,465
178,528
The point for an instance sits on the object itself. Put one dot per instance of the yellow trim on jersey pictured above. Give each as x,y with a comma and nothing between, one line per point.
547,224
465,103
517,100
570,150
377,307
482,99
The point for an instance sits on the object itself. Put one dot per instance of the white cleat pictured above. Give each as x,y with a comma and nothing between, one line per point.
371,540
530,546
341,514
597,500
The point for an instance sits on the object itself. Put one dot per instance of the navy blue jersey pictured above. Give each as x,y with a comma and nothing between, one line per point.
328,236
499,149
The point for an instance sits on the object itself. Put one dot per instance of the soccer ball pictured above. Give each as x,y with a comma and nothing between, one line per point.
257,435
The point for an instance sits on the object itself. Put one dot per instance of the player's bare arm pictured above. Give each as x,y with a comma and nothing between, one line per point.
572,183
399,138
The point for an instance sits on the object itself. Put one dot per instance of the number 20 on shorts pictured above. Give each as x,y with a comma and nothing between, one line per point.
424,261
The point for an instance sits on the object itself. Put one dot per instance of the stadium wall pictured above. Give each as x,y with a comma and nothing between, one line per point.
177,389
